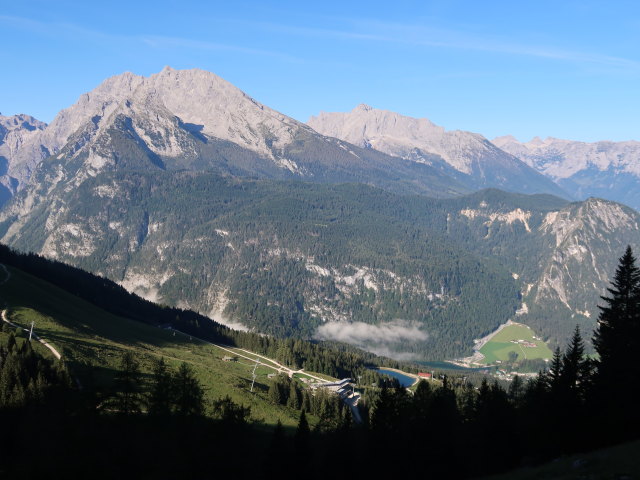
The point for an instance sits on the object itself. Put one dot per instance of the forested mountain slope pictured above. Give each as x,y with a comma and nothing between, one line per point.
415,276
280,257
184,189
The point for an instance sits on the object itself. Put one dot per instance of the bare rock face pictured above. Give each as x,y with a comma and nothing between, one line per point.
468,156
603,169
15,131
193,119
586,239
44,141
199,99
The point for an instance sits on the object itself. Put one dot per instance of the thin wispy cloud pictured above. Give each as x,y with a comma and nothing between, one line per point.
159,41
433,37
58,28
148,40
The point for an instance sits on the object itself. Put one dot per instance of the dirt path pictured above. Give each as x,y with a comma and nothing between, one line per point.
278,366
289,370
7,277
36,337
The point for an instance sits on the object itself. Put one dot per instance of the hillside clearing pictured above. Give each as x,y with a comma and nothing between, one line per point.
517,338
92,342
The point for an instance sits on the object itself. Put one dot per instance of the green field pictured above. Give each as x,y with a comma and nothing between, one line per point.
92,342
499,346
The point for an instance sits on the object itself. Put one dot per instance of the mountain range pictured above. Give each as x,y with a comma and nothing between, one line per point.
468,157
601,169
361,227
162,122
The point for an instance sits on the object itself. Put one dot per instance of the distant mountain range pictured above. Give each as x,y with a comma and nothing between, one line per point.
601,169
197,121
468,157
187,191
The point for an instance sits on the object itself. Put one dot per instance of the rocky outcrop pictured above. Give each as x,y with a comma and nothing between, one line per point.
601,169
469,157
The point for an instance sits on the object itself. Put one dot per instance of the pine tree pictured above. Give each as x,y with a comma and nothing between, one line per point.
422,401
553,376
301,437
617,341
11,343
575,367
294,397
618,318
274,393
127,386
161,396
516,390
306,401
383,418
230,413
189,395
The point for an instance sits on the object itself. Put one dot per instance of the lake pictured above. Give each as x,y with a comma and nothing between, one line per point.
448,366
405,380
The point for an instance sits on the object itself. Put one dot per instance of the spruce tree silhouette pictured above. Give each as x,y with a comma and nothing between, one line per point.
617,342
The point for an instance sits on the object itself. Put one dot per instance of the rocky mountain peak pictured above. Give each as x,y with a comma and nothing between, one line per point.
201,100
466,155
363,107
20,121
220,109
604,169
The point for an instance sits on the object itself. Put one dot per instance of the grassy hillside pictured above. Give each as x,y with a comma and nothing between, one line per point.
92,342
515,339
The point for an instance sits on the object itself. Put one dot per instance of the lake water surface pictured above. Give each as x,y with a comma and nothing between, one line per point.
405,380
447,366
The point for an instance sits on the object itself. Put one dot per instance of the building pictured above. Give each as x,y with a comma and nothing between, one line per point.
335,387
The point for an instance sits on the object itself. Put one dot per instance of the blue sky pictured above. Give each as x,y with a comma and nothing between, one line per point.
563,68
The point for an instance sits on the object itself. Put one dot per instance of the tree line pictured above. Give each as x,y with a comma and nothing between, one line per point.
579,403
331,359
457,429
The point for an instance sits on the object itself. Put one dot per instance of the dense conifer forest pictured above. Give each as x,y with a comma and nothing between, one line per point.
161,428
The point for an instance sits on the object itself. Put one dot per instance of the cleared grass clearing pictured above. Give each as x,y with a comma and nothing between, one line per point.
516,338
93,341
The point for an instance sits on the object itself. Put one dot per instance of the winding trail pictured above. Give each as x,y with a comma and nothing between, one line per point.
278,366
7,277
55,352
